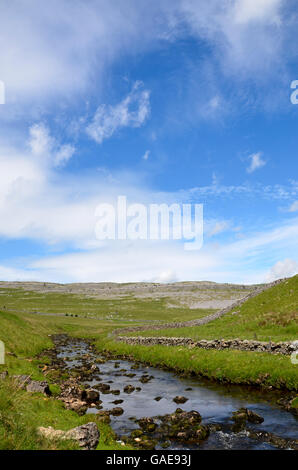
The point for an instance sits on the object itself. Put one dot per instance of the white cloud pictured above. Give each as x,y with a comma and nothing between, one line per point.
128,262
166,276
40,141
256,162
293,207
132,111
46,147
246,11
12,274
282,269
43,54
241,262
37,203
64,154
146,155
247,34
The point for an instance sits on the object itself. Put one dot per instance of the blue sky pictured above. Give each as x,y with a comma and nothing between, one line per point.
185,102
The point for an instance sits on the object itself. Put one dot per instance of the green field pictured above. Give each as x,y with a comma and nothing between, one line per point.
116,310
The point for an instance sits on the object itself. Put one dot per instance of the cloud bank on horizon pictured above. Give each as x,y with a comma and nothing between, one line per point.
181,102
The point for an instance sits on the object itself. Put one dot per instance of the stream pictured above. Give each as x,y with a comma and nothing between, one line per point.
214,402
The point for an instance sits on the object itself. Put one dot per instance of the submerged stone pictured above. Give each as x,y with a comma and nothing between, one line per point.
180,399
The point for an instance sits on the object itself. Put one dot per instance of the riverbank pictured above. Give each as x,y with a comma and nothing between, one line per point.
22,413
226,366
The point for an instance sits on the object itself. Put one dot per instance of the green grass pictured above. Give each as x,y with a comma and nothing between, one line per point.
272,315
128,308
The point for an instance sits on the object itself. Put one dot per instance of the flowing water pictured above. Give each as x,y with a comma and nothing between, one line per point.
214,402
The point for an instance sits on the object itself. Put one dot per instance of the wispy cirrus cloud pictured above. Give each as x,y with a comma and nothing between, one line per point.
276,192
132,111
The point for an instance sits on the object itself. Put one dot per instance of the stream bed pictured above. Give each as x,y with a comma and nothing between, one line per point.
150,393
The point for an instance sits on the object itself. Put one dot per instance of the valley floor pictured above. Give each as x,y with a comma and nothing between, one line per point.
271,316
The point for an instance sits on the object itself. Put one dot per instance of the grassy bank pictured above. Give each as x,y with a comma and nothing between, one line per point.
21,413
236,367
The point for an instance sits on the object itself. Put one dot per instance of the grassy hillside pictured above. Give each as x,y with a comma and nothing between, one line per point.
272,315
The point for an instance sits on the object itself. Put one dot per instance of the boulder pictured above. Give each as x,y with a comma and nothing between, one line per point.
103,387
180,399
38,387
254,417
117,411
147,424
22,380
243,415
146,378
76,405
25,383
92,396
87,435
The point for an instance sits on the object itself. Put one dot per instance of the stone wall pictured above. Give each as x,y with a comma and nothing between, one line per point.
200,321
285,348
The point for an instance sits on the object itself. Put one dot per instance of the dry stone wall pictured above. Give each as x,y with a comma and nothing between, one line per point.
285,348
